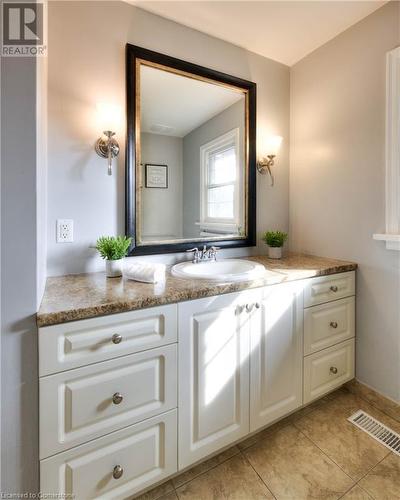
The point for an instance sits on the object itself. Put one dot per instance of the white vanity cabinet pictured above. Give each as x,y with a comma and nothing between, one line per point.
108,404
276,344
130,399
240,365
329,334
214,353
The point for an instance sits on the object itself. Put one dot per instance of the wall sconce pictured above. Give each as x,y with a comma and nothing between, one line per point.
267,160
107,146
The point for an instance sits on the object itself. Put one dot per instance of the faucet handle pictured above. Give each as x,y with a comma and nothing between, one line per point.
213,252
196,253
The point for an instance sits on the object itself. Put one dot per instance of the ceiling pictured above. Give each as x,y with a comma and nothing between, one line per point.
175,105
285,31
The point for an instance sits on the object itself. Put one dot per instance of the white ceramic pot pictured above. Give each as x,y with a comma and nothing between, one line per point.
114,268
275,252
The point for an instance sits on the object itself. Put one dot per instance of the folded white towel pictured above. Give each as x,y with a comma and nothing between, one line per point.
146,272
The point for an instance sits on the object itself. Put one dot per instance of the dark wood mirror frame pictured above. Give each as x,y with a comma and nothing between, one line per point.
133,54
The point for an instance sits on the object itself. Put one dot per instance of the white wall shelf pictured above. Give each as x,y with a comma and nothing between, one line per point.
392,240
392,233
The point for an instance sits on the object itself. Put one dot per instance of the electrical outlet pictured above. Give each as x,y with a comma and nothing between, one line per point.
65,230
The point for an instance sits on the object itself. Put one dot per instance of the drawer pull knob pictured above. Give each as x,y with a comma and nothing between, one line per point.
117,398
258,305
117,472
334,324
333,370
116,338
334,288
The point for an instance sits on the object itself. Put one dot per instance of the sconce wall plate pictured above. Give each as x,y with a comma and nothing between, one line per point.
264,166
107,147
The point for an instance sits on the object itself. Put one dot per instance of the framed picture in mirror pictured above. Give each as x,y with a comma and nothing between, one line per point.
156,176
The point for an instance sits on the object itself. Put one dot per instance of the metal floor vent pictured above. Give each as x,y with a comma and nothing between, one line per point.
378,431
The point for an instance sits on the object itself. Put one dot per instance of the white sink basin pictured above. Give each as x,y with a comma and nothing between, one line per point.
222,270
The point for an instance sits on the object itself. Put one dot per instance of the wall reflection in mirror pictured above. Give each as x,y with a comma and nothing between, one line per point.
192,162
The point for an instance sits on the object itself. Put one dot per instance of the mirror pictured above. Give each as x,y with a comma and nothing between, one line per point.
189,155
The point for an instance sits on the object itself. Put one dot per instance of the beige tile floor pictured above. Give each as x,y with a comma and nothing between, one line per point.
313,454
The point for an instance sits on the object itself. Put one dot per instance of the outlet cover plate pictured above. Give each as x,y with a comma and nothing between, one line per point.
65,230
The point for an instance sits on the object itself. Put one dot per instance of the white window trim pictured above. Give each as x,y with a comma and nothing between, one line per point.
392,234
223,224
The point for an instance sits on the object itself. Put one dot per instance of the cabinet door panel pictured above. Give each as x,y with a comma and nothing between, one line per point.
146,452
326,288
213,375
77,405
328,369
80,343
328,324
276,354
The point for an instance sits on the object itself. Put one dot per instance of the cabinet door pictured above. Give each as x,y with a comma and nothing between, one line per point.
213,375
80,343
82,404
328,369
276,353
116,466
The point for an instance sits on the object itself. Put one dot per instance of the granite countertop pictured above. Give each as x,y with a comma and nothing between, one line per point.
80,296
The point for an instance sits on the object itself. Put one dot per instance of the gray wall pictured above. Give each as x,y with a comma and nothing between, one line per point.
162,208
19,377
337,178
230,118
78,185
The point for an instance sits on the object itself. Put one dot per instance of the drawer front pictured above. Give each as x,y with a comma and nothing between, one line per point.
327,288
328,324
328,369
79,343
86,403
146,453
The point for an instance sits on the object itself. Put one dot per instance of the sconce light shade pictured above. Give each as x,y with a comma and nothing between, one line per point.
272,145
267,158
109,117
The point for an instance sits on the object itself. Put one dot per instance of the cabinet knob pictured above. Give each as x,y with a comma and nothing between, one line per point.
249,307
333,324
258,305
116,338
117,472
333,370
117,398
334,288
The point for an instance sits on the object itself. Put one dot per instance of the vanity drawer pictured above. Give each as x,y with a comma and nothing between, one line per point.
146,452
326,370
79,405
327,288
328,324
79,343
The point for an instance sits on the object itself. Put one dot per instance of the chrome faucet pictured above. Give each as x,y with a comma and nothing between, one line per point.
204,255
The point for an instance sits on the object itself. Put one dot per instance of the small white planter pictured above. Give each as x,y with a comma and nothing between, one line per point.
275,252
114,268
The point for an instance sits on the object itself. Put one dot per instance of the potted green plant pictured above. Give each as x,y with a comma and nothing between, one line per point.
275,241
113,249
